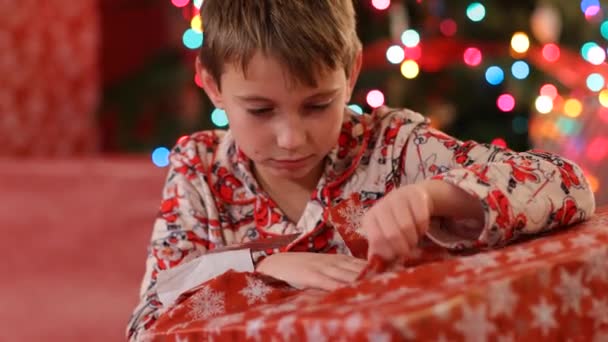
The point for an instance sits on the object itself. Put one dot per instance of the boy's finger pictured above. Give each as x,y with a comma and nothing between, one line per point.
326,282
378,244
352,266
421,218
342,274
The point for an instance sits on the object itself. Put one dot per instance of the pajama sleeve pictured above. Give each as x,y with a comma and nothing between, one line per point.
521,193
182,231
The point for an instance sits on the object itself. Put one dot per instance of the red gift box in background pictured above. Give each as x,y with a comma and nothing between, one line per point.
50,77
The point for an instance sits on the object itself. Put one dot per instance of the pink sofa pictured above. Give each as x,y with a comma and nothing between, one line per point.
75,232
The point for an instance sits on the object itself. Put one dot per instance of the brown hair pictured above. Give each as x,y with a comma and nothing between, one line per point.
306,36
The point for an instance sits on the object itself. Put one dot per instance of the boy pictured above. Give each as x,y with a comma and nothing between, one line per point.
284,71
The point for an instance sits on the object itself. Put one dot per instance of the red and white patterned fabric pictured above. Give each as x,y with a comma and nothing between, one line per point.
211,200
50,83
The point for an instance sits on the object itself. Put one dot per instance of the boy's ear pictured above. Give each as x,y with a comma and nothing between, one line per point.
354,73
210,86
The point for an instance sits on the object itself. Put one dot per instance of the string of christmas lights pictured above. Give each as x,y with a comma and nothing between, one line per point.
561,108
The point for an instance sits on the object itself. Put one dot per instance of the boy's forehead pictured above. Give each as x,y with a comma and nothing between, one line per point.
263,71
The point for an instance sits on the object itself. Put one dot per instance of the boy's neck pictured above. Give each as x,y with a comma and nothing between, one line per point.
279,186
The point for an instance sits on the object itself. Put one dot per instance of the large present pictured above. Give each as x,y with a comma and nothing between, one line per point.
552,287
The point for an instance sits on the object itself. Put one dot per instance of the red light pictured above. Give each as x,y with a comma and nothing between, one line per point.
551,52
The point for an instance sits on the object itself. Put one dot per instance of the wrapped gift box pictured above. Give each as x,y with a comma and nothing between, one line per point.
550,288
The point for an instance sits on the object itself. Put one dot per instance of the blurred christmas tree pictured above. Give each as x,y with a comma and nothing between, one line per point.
525,73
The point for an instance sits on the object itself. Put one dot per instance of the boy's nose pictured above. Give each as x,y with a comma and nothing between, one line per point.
291,136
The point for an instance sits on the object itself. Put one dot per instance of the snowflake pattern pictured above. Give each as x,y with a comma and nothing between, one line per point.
206,303
474,324
217,323
353,323
286,328
544,318
599,311
551,247
477,263
314,333
597,267
583,240
520,255
502,299
256,291
571,290
253,328
353,214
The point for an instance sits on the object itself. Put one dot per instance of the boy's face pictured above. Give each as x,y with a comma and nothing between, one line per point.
284,127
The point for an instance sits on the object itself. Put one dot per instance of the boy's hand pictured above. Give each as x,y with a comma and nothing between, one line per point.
396,223
312,270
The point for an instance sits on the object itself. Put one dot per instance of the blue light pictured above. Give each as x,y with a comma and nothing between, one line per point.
520,125
219,118
410,38
568,126
604,29
495,75
595,82
585,49
192,39
476,11
585,4
160,157
356,108
520,70
198,3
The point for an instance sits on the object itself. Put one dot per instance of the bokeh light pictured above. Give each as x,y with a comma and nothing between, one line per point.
544,104
549,90
160,156
395,54
520,42
448,27
192,39
597,149
413,52
197,23
198,3
604,29
603,97
410,38
573,108
596,55
567,126
506,102
500,142
586,48
595,82
219,118
472,56
410,69
551,52
476,12
180,3
586,5
375,98
495,75
356,108
520,70
381,4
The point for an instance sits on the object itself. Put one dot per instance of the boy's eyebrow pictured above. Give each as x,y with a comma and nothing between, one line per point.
256,98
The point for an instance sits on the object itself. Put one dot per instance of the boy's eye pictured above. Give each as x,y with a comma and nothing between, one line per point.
259,111
319,107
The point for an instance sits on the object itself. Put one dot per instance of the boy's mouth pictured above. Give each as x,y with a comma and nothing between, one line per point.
293,163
